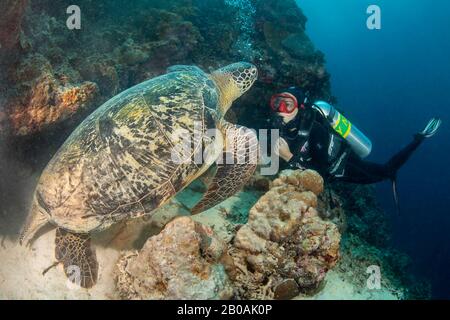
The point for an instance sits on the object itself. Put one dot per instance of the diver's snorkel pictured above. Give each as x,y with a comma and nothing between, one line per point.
357,140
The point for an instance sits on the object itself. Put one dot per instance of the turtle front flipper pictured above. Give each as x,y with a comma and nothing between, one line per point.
234,169
74,251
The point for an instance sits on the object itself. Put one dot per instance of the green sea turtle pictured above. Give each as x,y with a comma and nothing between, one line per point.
119,162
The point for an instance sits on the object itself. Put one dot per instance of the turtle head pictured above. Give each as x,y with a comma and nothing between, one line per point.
233,81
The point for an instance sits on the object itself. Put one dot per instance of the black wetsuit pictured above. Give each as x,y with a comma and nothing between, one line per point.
315,145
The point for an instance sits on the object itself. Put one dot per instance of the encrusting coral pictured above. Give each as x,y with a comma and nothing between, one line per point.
51,99
285,247
182,262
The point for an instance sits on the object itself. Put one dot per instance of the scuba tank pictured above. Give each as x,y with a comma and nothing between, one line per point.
359,143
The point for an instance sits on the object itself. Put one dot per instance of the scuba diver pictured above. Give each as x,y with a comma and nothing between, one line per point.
317,136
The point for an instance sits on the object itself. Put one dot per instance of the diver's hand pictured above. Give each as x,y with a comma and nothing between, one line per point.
431,128
282,150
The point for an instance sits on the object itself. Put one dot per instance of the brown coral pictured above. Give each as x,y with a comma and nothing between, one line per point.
285,247
182,262
48,104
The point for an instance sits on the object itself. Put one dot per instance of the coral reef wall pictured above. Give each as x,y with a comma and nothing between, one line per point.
58,76
10,25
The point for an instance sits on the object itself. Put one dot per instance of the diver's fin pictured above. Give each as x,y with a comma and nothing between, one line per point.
74,251
35,221
431,128
234,170
398,160
395,194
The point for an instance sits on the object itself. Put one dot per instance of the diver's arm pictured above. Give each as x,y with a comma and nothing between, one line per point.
282,150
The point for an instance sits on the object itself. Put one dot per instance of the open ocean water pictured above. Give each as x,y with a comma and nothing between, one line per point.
390,82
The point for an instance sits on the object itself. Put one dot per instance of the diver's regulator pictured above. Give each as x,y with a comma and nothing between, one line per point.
357,140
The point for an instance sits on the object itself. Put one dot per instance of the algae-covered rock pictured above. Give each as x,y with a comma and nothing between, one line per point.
12,12
51,98
182,262
285,247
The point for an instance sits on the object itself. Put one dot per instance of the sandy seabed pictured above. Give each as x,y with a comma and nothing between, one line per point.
21,268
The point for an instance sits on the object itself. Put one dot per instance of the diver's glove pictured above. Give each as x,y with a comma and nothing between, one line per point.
430,130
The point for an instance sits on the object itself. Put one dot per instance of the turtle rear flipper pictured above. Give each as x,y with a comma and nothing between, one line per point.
74,251
238,163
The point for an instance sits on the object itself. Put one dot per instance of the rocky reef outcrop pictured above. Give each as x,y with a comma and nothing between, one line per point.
283,249
182,262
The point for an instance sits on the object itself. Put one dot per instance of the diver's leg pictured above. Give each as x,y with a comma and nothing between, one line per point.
363,172
400,158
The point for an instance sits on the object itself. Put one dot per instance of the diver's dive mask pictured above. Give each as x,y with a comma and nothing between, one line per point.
285,103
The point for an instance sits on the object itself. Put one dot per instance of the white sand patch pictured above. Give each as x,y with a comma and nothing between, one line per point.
337,287
21,273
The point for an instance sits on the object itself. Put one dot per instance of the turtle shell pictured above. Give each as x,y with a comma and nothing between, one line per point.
118,163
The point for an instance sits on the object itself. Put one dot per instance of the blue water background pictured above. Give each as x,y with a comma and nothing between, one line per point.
390,82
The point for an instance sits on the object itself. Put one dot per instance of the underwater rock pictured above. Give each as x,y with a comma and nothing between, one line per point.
11,14
299,45
284,239
182,262
285,248
303,180
285,290
364,216
48,102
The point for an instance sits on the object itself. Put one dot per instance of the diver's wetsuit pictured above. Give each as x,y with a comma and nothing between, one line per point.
315,145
